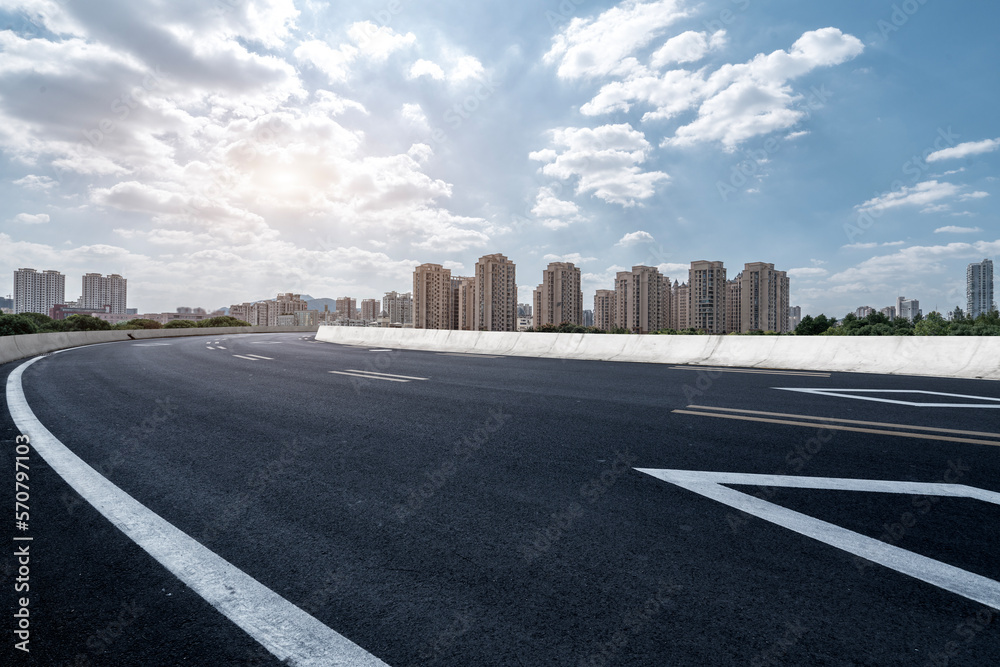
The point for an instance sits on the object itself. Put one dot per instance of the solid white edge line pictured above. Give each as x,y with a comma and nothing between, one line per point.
278,625
936,573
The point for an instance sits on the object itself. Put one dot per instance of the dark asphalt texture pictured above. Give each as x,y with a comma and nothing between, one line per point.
489,515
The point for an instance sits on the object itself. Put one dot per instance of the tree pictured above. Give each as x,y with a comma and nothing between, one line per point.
41,321
932,325
223,321
180,324
17,325
139,323
84,323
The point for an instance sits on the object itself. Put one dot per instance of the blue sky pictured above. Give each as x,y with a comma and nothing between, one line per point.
215,153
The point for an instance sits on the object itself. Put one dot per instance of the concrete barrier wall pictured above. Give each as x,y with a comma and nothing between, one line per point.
938,356
31,345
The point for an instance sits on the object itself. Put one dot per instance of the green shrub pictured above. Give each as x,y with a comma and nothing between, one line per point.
139,323
180,324
223,321
17,325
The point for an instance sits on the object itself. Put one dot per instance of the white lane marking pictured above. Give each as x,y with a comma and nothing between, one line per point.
759,371
942,575
467,354
375,350
209,347
220,348
849,393
392,375
266,342
289,633
247,358
368,377
260,357
152,345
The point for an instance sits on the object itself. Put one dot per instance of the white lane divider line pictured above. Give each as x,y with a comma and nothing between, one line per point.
391,375
260,357
378,350
289,633
368,377
936,573
247,358
220,348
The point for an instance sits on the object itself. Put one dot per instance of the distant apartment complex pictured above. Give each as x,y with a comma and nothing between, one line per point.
486,301
642,300
398,308
102,291
907,308
36,292
604,309
794,317
432,297
266,313
496,294
979,288
559,298
763,299
707,300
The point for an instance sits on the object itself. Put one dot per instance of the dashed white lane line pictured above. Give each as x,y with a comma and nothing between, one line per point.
392,375
289,633
247,358
379,350
368,377
261,357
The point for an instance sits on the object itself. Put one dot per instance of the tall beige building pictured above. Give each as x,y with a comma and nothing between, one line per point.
707,282
463,302
100,291
764,299
642,300
734,304
559,298
370,310
680,307
398,307
432,297
496,294
604,309
347,308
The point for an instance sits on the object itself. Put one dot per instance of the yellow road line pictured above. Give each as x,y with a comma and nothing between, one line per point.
837,427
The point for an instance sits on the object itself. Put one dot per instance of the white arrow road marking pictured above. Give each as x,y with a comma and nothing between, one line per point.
942,575
286,631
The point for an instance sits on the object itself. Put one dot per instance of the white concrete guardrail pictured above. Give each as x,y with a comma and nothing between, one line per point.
31,345
938,356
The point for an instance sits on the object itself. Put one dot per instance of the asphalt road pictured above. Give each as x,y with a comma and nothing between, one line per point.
466,510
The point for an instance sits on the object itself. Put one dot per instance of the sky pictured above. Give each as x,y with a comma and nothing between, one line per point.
214,153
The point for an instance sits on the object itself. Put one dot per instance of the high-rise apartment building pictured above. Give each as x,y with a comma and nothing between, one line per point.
681,315
888,311
605,308
432,297
559,298
38,292
463,302
979,288
863,311
734,304
347,308
642,300
398,307
907,308
588,318
370,310
707,299
100,291
764,298
496,294
795,316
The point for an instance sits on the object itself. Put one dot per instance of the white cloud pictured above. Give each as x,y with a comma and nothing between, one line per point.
952,229
31,218
378,42
335,63
965,150
807,272
867,246
604,160
467,67
574,257
593,47
674,268
415,116
929,196
38,183
915,263
635,238
687,47
735,102
426,68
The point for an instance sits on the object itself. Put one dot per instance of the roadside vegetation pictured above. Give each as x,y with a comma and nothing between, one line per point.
31,323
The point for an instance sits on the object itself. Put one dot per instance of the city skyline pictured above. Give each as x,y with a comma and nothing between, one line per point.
325,150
